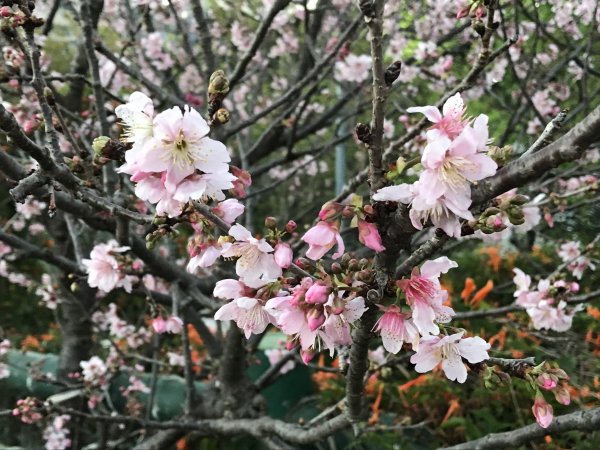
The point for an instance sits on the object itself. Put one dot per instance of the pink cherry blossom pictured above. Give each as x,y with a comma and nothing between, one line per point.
395,329
451,164
449,122
543,412
293,320
206,256
336,328
255,259
136,116
103,268
444,212
321,238
547,316
230,289
353,68
159,324
449,350
94,370
425,296
369,236
229,210
248,313
174,325
179,146
283,255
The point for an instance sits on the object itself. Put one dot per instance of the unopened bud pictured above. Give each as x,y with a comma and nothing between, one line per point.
337,306
291,226
478,26
348,212
315,318
368,209
562,395
519,200
392,72
49,96
500,154
346,258
303,263
353,264
330,210
336,268
218,83
221,116
270,223
363,133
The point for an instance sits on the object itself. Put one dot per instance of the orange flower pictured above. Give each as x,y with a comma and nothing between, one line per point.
454,406
421,379
375,407
182,444
470,286
500,337
30,342
494,257
481,294
594,312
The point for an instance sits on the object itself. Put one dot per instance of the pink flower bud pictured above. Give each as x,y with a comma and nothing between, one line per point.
463,12
369,235
307,356
330,210
542,411
562,395
291,226
315,319
547,381
317,293
574,286
283,255
5,11
159,324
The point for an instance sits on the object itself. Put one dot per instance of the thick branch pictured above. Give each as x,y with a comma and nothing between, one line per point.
580,420
567,148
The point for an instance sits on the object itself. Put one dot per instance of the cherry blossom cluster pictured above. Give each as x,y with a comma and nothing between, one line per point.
546,304
172,159
325,235
455,156
418,325
545,378
577,262
105,268
313,315
117,328
28,410
56,434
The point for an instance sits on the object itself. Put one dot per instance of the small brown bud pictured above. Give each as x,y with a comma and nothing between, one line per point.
221,116
270,223
336,268
363,133
392,72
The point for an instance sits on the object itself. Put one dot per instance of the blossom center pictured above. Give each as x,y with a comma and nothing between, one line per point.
451,171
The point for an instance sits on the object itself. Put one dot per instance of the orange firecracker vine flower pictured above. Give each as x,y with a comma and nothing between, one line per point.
469,288
482,293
